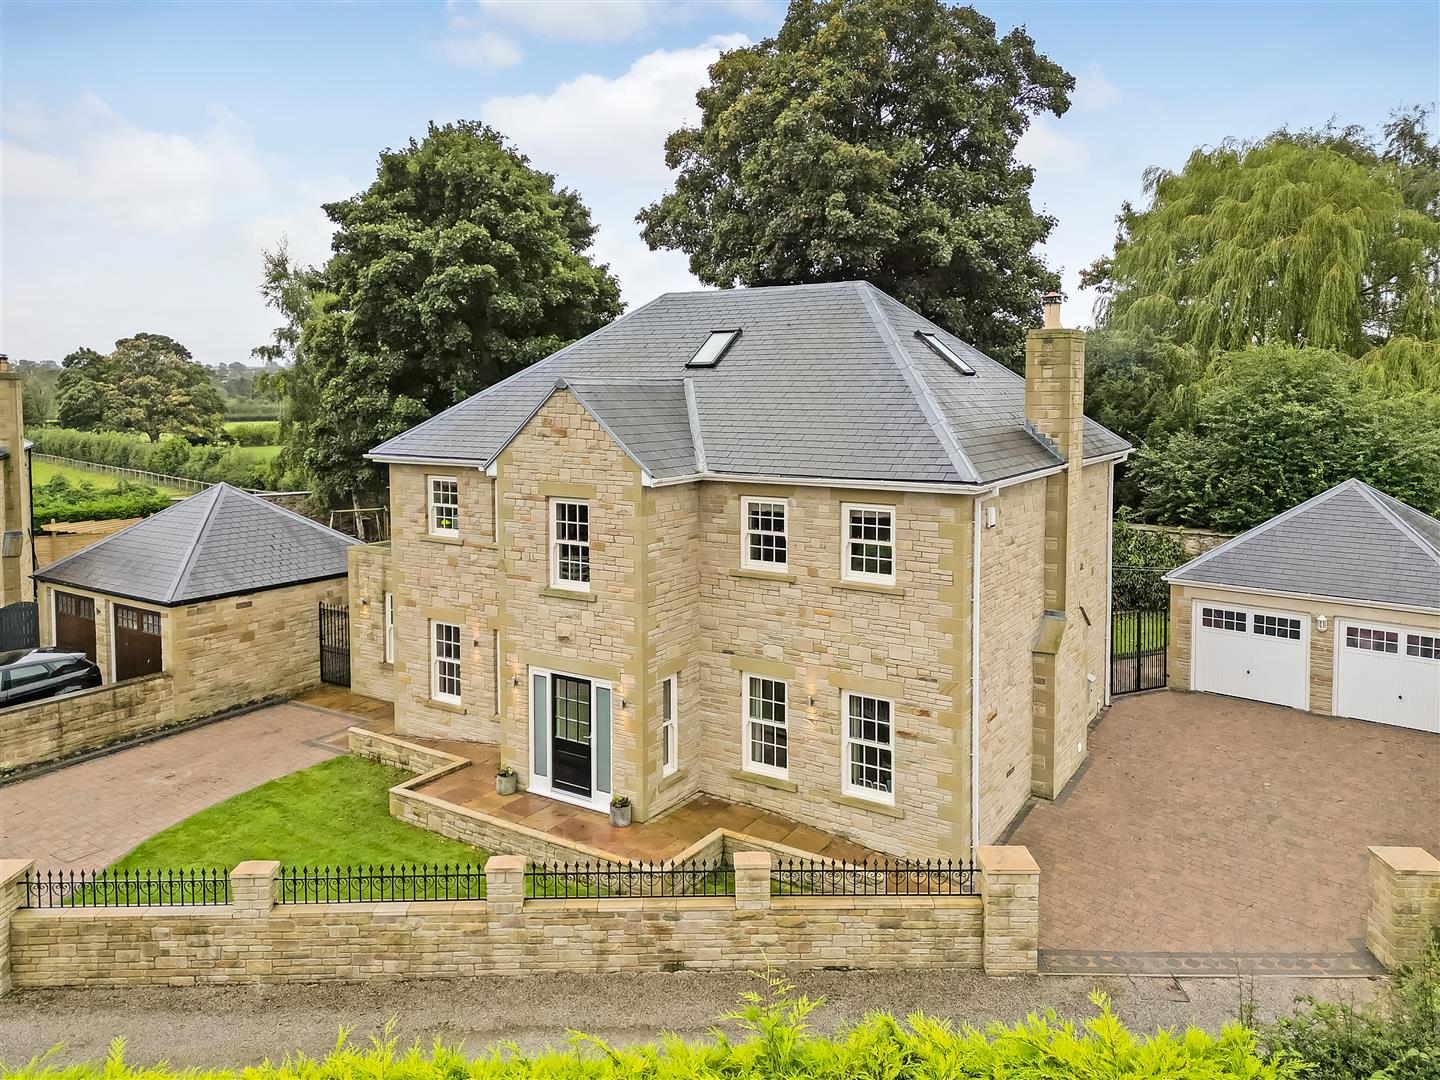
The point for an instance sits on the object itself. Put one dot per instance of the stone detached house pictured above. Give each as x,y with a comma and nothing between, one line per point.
794,546
219,592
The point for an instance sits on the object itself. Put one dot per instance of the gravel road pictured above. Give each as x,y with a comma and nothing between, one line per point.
233,1026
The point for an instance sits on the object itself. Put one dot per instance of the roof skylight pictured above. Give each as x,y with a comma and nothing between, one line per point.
941,349
716,346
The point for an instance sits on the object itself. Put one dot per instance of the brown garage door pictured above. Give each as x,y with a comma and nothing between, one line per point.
137,642
75,624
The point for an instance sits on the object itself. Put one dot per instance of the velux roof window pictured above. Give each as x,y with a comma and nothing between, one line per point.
941,349
716,346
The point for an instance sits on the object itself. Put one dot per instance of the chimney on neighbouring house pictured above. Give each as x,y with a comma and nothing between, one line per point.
1055,410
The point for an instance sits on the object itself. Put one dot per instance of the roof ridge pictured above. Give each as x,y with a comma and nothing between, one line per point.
1395,519
929,407
199,538
287,512
539,364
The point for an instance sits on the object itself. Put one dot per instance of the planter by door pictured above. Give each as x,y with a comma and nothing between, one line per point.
137,642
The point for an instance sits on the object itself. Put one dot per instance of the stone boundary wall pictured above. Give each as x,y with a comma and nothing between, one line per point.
60,726
1404,903
252,940
1196,542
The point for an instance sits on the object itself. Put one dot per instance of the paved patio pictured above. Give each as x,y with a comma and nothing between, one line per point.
1207,833
656,840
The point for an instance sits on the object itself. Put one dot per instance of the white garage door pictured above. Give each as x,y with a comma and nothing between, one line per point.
1388,674
1251,653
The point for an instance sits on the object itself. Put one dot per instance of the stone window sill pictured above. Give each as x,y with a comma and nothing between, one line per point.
868,586
668,782
763,575
854,802
445,706
452,541
568,594
763,781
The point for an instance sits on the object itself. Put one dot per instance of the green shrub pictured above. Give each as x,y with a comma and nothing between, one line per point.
1396,1038
168,457
775,1041
259,433
1139,547
60,500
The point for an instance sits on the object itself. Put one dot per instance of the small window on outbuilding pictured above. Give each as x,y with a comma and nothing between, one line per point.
715,346
939,348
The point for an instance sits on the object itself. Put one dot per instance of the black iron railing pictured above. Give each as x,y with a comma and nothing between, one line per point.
565,881
876,877
352,884
127,888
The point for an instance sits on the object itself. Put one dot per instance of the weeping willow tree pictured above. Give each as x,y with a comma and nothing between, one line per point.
1404,364
1286,241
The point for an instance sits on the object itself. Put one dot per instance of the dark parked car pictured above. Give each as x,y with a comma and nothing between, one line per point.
33,674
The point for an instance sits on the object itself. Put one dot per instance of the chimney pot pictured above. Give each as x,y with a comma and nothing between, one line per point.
1050,302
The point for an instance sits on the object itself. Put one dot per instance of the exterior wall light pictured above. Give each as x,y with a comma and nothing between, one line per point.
1321,622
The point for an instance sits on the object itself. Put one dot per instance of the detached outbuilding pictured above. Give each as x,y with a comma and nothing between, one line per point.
220,591
1332,607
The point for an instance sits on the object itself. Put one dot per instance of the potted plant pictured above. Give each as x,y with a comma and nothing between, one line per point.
620,811
505,780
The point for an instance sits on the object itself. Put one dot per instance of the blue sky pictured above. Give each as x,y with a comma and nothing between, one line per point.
150,151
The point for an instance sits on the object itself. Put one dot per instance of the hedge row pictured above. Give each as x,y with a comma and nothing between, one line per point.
776,1043
60,500
170,457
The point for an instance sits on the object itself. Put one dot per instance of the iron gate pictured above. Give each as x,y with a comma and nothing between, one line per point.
1139,629
335,645
19,626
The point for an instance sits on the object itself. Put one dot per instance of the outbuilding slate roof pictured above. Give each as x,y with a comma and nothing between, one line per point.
1349,543
824,382
220,542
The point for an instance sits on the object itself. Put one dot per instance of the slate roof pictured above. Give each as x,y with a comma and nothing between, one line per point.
1349,543
825,382
220,542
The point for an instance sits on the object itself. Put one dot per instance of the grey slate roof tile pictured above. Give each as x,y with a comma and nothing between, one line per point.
221,542
1349,543
824,382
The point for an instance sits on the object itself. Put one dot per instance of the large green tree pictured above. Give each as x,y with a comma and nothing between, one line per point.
1310,240
1274,425
872,139
458,266
149,384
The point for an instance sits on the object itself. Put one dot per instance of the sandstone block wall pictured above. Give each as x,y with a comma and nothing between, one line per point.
253,941
244,648
1404,909
370,580
59,727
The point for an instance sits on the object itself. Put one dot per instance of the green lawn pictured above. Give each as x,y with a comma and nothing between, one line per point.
42,472
334,813
256,453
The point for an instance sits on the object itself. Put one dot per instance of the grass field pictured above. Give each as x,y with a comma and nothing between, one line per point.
334,813
256,453
42,472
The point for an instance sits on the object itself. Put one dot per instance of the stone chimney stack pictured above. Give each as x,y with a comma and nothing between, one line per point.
1055,411
15,581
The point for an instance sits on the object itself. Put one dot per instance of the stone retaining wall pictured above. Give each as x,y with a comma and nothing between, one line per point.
252,940
58,727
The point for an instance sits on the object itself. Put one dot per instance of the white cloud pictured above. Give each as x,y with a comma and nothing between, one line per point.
110,228
575,20
483,49
605,138
1048,150
1094,92
93,157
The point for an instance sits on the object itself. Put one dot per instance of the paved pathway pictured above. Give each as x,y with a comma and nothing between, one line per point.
87,815
1208,832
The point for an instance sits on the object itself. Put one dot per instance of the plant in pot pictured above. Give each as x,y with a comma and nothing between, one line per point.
620,811
505,780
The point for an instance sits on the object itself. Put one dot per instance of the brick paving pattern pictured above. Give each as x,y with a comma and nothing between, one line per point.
1208,834
88,815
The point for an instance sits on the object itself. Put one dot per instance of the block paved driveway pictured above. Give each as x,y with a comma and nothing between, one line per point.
1207,833
87,815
